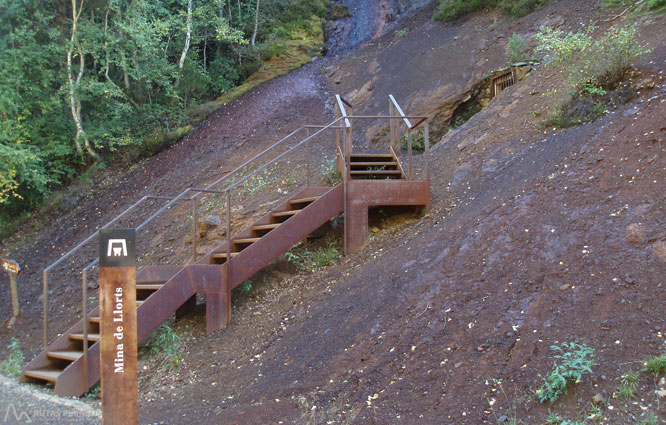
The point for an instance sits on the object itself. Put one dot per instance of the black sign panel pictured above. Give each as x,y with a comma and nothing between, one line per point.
117,248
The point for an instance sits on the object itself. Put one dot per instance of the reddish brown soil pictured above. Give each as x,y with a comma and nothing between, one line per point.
536,236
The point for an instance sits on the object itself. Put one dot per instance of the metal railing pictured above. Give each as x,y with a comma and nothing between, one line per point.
190,194
235,179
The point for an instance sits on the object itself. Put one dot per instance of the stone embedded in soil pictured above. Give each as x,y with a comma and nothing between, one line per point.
597,399
659,250
209,223
635,235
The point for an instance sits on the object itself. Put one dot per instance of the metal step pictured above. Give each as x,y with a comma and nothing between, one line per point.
285,213
79,336
371,155
149,286
50,375
266,226
224,254
374,164
303,200
245,240
65,355
375,172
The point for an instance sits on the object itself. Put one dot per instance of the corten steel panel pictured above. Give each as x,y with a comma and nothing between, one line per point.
385,192
266,219
70,382
118,346
362,194
279,240
190,280
153,312
357,227
156,273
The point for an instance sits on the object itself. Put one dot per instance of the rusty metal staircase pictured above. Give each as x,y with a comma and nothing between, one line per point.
71,362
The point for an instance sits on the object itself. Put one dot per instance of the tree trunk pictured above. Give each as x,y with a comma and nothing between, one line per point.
256,25
74,102
106,70
188,35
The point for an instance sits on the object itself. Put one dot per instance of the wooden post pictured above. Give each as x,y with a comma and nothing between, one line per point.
13,269
118,327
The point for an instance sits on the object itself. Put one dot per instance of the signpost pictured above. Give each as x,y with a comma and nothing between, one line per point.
13,269
118,333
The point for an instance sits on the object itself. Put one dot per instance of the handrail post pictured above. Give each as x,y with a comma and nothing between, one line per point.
396,149
84,291
348,153
228,285
195,225
409,154
338,131
426,133
351,127
307,146
45,295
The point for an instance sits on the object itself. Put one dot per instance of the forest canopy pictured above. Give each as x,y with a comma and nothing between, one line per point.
81,80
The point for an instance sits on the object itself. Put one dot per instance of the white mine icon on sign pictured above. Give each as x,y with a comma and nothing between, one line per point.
117,248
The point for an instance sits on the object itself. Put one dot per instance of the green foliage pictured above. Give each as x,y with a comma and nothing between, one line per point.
402,32
330,173
628,384
418,141
656,5
516,49
131,89
571,364
520,7
305,259
649,419
167,343
246,285
450,10
339,11
94,391
649,5
575,111
14,363
655,364
592,62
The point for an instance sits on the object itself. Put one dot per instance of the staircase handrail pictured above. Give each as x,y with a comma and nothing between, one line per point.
172,201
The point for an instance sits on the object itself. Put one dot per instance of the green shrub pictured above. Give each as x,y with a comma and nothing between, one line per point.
592,63
246,285
304,259
520,7
418,141
165,342
628,384
330,173
516,49
450,10
14,363
656,4
655,364
573,362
